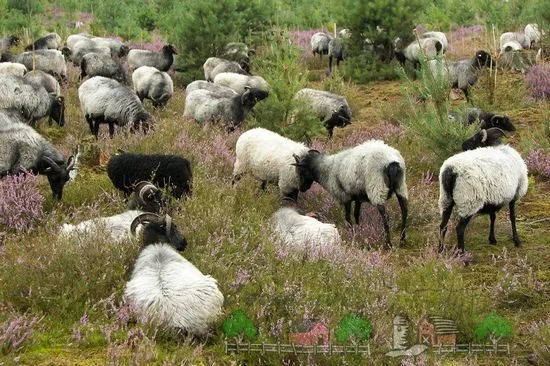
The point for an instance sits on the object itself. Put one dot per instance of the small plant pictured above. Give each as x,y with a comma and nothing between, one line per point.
538,79
16,330
538,162
21,203
239,325
493,327
353,328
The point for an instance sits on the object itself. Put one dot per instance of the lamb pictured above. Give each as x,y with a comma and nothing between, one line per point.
31,99
319,44
481,181
150,83
50,61
167,289
534,34
118,49
440,36
239,52
12,68
105,100
220,90
268,156
101,64
22,148
7,42
161,60
239,82
423,47
370,172
50,41
510,46
489,137
486,119
215,65
126,170
47,81
520,38
332,109
335,51
461,74
205,106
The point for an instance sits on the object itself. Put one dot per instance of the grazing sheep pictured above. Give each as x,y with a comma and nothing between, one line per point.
47,81
484,138
239,82
319,44
481,181
7,42
161,60
105,100
239,52
50,41
332,109
215,65
13,68
50,61
150,83
101,64
84,47
22,148
268,156
220,90
73,39
370,172
487,119
423,47
461,74
126,170
32,100
520,38
335,51
145,198
118,49
534,34
167,289
205,106
510,46
440,36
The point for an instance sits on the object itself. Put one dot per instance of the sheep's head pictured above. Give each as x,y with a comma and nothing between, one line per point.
67,53
158,229
57,108
162,100
483,58
502,122
123,51
13,40
251,96
304,169
146,197
484,138
169,49
57,174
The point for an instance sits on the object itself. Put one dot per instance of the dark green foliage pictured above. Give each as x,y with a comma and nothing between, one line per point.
13,22
353,328
239,325
493,327
25,6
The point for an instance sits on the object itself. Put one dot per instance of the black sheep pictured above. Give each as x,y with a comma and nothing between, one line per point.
487,119
126,170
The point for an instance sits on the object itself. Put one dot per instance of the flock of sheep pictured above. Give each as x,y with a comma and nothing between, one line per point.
164,286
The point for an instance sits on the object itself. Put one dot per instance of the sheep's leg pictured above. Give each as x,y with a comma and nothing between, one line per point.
467,95
347,208
357,211
330,132
443,226
460,229
515,235
492,239
330,64
404,206
382,211
111,129
90,123
263,184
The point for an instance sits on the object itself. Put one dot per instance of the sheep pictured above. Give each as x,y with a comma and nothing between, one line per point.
84,47
423,47
370,172
105,100
344,33
486,119
440,36
161,60
50,61
101,64
73,39
481,181
520,38
205,106
153,84
239,52
461,74
215,65
319,44
489,137
31,99
145,198
44,79
13,68
239,82
50,41
166,289
118,49
220,90
7,42
22,148
268,156
534,34
335,51
126,170
332,109
510,46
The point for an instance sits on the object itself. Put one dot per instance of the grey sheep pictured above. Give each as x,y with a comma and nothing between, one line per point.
461,74
150,83
105,100
22,148
239,52
50,61
319,43
335,51
428,47
440,36
101,64
215,65
73,39
239,82
7,42
12,68
510,46
51,41
486,119
82,48
220,90
332,109
44,79
118,49
32,100
533,32
161,60
206,106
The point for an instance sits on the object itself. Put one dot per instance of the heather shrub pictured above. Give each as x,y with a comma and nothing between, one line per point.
538,162
16,330
21,203
538,79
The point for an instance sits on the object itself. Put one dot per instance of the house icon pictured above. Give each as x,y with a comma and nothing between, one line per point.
435,330
309,332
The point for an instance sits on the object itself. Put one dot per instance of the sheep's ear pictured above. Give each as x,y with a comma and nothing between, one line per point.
483,135
297,159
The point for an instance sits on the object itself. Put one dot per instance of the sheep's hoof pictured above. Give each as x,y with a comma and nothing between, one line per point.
517,242
492,241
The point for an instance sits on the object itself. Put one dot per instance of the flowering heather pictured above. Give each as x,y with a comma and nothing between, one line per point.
302,39
464,32
383,131
154,45
538,79
21,203
16,330
538,162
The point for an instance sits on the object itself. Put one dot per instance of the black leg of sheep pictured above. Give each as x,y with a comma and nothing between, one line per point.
460,229
404,206
515,235
443,226
492,239
382,211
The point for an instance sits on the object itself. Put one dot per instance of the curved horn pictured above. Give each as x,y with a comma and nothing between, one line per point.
498,129
483,135
143,218
143,187
52,163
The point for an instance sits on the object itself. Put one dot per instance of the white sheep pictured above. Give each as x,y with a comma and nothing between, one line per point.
268,156
215,65
440,36
50,61
12,68
510,46
162,60
481,181
239,82
428,48
520,38
370,172
534,34
217,89
150,83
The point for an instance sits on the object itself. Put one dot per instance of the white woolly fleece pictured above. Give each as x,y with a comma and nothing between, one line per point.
237,82
118,226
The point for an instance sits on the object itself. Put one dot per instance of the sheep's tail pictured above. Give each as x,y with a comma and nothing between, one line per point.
448,181
394,177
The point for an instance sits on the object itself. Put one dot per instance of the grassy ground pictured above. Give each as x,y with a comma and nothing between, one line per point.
74,288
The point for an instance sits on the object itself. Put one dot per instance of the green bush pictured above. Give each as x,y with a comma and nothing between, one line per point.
25,6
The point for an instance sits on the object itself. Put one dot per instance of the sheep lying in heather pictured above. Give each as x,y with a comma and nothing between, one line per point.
215,65
13,68
50,61
50,41
101,64
22,148
105,100
423,47
167,289
45,80
150,83
319,43
220,90
481,181
370,172
239,82
268,156
332,109
161,60
126,170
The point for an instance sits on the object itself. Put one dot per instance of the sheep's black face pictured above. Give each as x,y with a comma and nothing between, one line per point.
14,40
169,49
484,138
57,175
162,232
304,170
57,111
123,51
484,59
503,122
